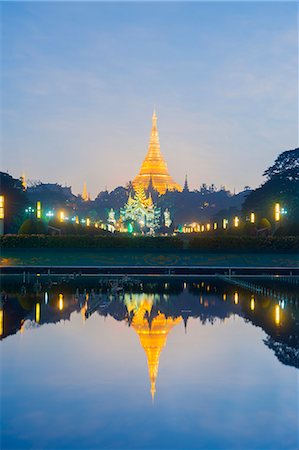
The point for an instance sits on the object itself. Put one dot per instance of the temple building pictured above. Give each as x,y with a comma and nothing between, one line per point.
152,332
140,209
154,167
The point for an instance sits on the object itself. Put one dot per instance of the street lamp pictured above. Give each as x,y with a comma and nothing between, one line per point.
2,213
236,221
38,210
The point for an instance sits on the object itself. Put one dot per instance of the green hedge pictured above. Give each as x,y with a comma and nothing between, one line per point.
117,242
249,243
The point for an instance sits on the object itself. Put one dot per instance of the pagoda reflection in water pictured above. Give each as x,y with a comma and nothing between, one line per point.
153,309
152,332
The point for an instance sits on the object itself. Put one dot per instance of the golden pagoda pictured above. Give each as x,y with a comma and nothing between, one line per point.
85,194
154,167
152,334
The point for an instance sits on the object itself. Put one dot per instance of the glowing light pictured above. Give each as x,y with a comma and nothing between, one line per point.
252,303
236,298
277,212
37,313
77,220
277,314
96,225
61,216
1,206
252,217
38,210
208,226
202,228
46,298
60,302
224,224
154,169
1,322
130,228
224,297
87,221
215,225
236,221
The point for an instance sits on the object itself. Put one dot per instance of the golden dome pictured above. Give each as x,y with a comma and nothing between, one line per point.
154,166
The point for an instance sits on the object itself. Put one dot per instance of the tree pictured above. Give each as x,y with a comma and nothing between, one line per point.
281,186
15,202
286,166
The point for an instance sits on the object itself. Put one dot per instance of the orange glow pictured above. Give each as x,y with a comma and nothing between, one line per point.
208,226
277,212
152,337
88,222
236,222
252,303
224,297
1,322
77,220
277,315
154,169
37,313
236,298
61,216
1,206
38,210
60,302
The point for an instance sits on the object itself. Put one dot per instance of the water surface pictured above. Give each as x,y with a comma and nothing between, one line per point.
165,364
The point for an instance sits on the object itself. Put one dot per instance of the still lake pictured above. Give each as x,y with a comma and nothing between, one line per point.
149,363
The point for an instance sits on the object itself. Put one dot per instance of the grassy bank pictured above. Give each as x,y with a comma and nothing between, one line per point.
198,243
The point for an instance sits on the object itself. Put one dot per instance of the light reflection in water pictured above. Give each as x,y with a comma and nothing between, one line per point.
60,302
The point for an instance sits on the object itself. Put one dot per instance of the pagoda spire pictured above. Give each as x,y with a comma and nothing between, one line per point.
153,334
85,195
186,187
154,165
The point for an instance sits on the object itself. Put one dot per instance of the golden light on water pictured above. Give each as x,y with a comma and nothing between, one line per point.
60,302
37,313
1,322
277,212
277,314
236,298
252,303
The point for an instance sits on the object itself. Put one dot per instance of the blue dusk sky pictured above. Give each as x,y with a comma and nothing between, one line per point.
80,80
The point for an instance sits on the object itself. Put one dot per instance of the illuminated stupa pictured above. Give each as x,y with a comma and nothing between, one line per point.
154,167
152,333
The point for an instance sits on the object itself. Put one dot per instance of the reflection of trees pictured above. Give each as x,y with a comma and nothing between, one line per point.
204,301
286,354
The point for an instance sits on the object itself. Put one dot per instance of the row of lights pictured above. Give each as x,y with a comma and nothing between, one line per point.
196,227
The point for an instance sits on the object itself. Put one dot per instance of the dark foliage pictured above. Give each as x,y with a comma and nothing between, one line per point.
15,202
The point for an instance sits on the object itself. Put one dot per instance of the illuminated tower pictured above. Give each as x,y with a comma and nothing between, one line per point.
152,334
154,167
85,194
24,182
